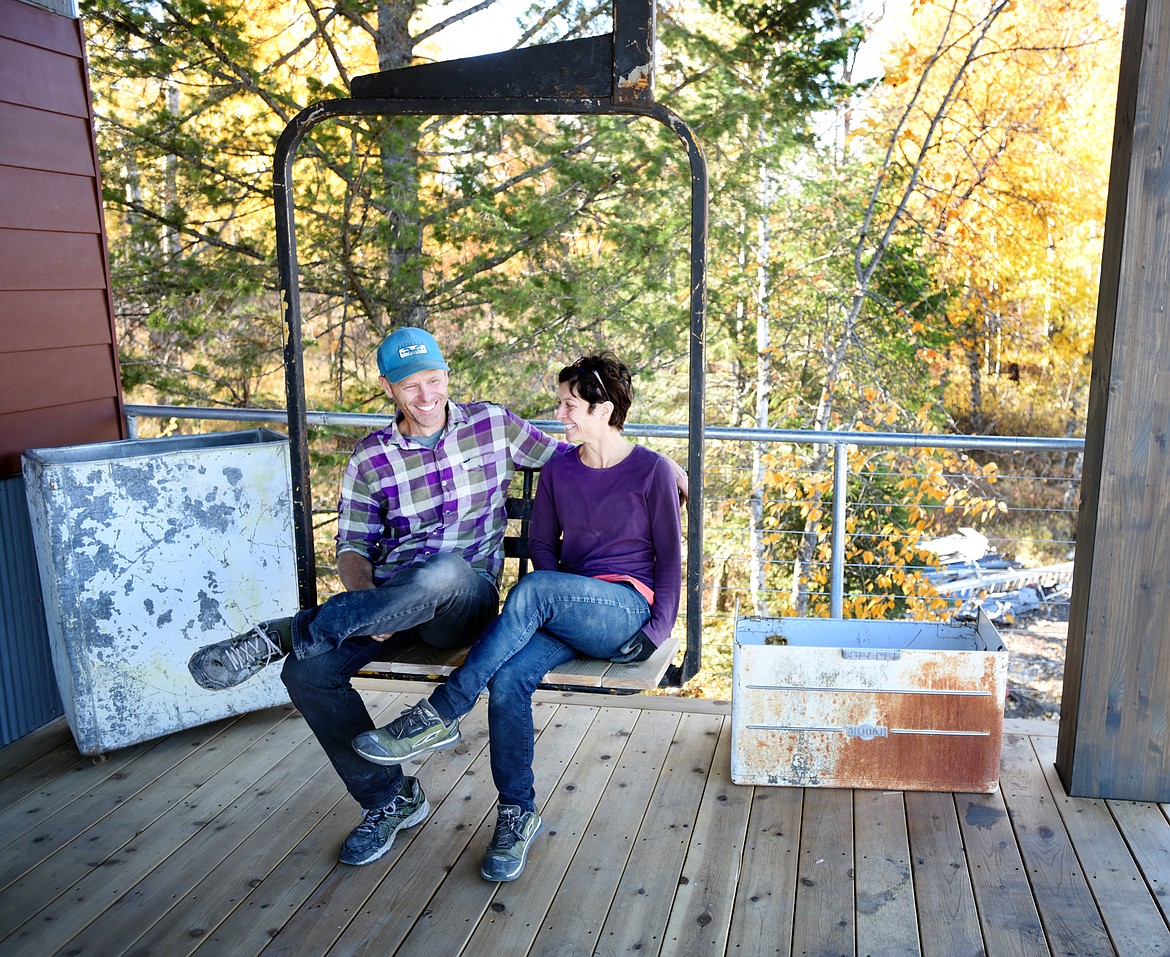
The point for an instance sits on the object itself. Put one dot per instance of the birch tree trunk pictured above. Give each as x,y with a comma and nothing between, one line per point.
758,565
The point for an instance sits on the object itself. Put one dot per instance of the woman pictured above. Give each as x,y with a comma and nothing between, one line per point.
605,543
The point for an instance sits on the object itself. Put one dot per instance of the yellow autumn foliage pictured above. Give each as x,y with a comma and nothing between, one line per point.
1007,128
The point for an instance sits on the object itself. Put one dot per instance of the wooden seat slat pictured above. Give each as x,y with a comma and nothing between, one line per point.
580,672
423,663
419,659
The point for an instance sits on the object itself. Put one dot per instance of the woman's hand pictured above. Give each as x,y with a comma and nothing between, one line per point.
638,648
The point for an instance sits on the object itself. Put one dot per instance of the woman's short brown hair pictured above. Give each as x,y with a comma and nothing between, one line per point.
602,378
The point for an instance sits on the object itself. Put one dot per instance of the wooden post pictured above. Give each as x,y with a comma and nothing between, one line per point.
1113,740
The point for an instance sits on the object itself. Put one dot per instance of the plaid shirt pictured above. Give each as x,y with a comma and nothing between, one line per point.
402,502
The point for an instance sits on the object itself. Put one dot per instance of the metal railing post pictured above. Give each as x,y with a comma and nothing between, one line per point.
837,553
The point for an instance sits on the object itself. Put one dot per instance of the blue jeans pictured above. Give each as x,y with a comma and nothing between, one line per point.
548,619
443,602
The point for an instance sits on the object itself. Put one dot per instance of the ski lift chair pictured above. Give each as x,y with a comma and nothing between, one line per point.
609,74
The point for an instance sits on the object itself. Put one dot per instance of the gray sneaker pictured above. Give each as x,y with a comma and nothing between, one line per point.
373,837
227,663
416,731
505,857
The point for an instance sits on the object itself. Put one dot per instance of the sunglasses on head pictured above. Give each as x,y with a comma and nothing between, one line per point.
580,364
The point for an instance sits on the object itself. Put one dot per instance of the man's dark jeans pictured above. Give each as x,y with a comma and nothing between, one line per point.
444,602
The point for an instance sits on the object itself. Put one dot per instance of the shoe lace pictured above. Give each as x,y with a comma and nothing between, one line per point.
507,829
257,643
412,720
374,816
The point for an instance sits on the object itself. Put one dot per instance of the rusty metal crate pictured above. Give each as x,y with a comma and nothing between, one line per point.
903,705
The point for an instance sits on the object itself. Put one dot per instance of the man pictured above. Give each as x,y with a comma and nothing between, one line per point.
421,523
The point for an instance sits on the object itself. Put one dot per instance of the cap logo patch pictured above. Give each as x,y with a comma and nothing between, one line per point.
404,352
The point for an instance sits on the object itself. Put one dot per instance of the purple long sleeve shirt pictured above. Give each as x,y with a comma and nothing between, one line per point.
622,520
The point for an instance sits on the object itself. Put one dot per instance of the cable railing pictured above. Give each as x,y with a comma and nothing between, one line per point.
769,493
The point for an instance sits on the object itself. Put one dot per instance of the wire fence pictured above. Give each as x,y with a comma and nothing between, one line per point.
1007,546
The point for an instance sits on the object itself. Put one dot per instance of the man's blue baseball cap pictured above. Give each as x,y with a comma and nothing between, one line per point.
407,351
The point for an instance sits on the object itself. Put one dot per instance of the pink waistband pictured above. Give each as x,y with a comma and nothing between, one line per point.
640,588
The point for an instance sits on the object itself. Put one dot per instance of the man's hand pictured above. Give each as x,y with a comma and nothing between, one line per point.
357,574
681,479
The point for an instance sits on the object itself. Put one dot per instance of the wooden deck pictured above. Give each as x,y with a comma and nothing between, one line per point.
222,840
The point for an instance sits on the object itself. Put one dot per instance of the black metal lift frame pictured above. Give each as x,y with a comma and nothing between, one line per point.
610,74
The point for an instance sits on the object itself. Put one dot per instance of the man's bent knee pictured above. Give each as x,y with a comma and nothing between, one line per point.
307,674
293,674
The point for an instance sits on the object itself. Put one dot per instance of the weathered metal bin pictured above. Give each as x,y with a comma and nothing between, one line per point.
148,550
897,705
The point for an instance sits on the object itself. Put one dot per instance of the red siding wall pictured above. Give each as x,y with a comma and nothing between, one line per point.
58,363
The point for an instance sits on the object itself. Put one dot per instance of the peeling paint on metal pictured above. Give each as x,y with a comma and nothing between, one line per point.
835,707
638,78
149,550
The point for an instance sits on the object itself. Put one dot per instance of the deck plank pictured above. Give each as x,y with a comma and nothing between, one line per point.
246,878
520,909
149,900
763,913
574,920
223,839
305,883
474,800
172,909
825,919
18,757
1062,894
405,895
97,794
115,853
1007,912
1147,834
36,760
637,920
181,761
1135,925
466,901
700,920
942,881
448,778
55,783
886,921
